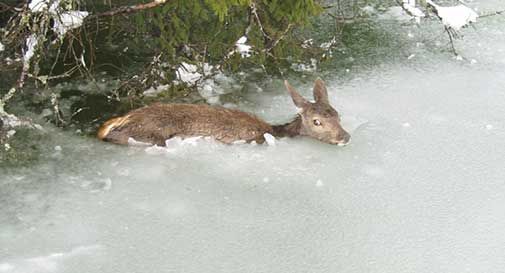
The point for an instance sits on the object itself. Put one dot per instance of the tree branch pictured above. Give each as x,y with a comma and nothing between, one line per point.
131,9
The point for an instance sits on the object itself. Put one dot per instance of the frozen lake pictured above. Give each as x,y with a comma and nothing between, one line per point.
421,187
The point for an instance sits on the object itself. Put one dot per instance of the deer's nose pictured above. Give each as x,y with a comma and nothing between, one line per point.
344,138
347,137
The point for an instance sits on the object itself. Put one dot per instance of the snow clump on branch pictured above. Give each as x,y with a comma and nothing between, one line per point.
455,17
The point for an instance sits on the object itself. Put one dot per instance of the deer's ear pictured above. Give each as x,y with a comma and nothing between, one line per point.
299,101
320,92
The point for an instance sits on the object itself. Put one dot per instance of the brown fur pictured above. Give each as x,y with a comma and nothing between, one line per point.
158,122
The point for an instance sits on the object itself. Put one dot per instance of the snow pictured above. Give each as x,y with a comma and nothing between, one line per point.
419,189
328,45
302,67
410,7
211,89
455,17
31,44
395,13
188,73
64,20
154,91
68,20
369,10
2,47
41,5
242,48
269,139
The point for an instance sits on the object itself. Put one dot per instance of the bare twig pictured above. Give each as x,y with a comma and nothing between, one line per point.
276,41
451,40
494,13
254,12
131,9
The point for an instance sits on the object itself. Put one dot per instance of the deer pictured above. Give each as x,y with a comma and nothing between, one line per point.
156,123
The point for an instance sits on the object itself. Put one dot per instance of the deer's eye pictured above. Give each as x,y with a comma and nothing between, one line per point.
317,122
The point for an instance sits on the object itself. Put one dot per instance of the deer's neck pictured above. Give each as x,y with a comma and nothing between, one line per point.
289,129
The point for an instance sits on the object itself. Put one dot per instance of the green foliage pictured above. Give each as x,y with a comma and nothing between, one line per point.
206,30
221,7
295,11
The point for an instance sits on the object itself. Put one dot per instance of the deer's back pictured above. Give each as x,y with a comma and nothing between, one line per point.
158,122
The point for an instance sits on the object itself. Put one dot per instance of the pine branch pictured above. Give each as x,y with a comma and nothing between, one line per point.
131,9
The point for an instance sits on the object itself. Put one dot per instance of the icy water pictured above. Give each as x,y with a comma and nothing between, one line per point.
421,187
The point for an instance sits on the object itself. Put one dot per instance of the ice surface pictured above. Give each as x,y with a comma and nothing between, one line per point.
419,189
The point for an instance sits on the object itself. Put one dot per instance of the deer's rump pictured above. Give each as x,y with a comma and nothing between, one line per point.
159,122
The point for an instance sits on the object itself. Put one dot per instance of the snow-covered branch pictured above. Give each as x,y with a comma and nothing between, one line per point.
454,17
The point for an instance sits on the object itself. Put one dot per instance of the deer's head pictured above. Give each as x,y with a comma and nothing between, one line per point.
319,119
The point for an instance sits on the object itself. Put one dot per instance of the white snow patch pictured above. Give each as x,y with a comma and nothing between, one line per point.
2,47
301,67
307,43
410,7
133,142
31,43
41,5
11,133
269,139
220,84
68,20
243,48
327,45
395,13
175,144
157,150
319,183
188,73
368,10
455,17
153,91
63,22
